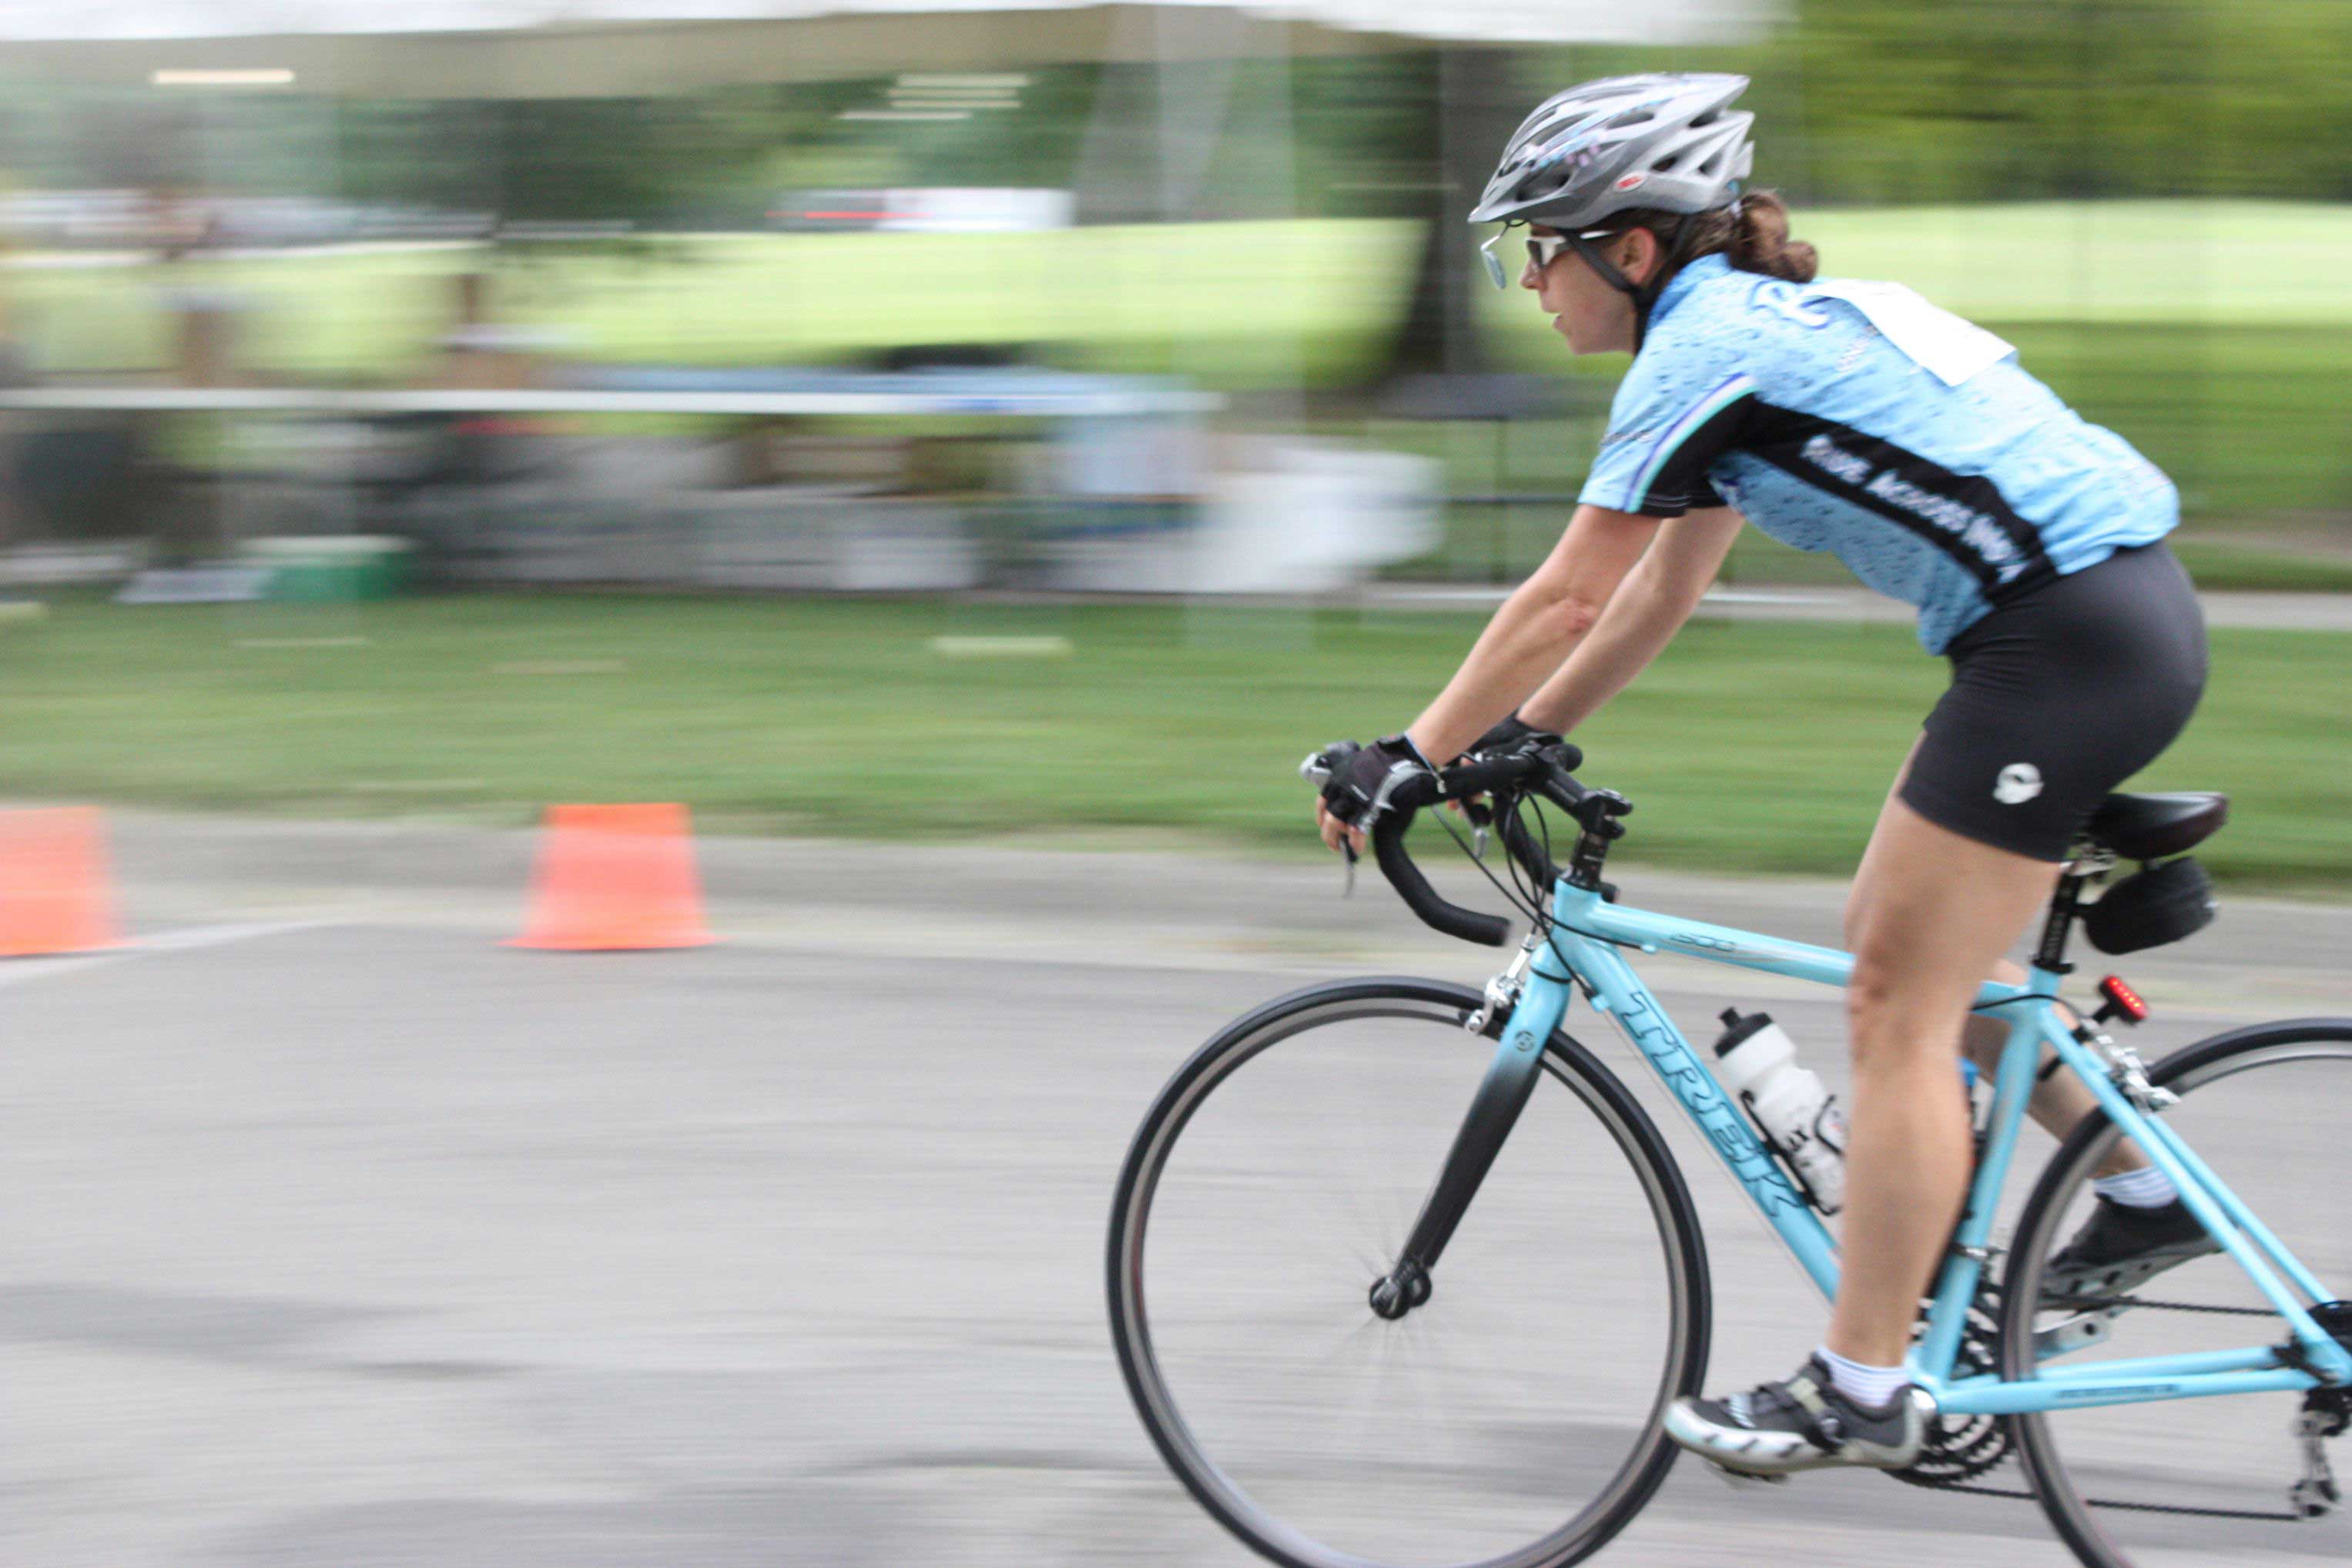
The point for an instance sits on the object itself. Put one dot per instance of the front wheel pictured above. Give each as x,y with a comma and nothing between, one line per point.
2207,1479
1504,1411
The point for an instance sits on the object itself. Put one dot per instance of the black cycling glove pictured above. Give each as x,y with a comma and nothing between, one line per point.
1507,732
1361,777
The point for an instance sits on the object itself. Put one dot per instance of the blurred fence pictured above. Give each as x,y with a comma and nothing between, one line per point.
1267,214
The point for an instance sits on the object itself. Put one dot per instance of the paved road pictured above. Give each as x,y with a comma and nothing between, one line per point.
339,1234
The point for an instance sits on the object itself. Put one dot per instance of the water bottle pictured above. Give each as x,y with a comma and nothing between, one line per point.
1799,1117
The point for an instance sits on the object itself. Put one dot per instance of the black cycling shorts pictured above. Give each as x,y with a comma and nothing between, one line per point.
2056,698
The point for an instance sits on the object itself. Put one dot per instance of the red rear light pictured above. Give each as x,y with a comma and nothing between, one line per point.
2123,999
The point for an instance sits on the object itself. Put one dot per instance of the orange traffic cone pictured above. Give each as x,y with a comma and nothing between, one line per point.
54,896
612,877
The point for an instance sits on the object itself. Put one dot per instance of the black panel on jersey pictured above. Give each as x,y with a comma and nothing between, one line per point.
1963,515
1682,483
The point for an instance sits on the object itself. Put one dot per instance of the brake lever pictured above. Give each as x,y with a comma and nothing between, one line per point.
1481,813
1316,770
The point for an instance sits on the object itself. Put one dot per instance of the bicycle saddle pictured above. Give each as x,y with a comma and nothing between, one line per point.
2150,827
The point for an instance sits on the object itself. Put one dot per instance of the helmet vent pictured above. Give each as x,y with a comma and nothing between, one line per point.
1585,154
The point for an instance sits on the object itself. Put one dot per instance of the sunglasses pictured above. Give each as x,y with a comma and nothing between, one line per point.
1543,249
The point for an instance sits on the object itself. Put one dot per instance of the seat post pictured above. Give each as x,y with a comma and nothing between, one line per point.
2065,904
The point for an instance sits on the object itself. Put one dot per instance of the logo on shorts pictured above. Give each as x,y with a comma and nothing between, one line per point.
2018,783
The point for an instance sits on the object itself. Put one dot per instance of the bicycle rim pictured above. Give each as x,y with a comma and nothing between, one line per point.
2205,1480
1510,1421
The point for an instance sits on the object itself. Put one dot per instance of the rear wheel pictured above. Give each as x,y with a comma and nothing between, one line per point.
1503,1411
2208,1479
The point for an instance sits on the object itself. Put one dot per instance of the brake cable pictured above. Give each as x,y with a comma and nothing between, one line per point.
1523,897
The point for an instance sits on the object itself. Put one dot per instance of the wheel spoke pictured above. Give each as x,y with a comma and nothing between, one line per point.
1322,1433
2210,1477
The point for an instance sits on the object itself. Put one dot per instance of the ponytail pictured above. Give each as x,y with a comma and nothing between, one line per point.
1751,233
1759,242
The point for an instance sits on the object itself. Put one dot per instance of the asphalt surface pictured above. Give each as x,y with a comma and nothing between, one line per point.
338,1234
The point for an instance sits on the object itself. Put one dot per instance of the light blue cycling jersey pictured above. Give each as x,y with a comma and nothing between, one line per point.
1859,419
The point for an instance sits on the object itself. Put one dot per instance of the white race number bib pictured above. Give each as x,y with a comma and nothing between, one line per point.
1944,346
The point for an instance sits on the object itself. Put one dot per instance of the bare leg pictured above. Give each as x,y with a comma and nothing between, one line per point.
2059,1100
1932,912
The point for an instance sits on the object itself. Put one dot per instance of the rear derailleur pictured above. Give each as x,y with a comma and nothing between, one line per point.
2326,1412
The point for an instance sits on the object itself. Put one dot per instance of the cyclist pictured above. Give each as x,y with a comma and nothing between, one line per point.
1859,419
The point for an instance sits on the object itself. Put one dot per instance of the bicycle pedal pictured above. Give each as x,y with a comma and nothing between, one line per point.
1743,1481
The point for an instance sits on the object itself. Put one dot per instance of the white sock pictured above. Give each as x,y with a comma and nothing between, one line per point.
1869,1386
2144,1189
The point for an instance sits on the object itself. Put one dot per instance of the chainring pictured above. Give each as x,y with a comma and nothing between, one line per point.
1959,1448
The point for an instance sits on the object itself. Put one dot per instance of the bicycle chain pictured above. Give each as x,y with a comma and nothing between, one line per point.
2098,1303
2118,1503
1978,1352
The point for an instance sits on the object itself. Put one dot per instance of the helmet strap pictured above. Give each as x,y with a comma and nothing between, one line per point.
1644,295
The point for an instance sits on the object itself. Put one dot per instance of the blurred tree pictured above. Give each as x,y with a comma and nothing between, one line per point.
1869,101
1469,109
2016,99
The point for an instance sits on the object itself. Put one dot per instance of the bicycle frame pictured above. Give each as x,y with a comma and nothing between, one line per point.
1588,940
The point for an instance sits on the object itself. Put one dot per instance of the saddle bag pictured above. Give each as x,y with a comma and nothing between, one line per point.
2158,903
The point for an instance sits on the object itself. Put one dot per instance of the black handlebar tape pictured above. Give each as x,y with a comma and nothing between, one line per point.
1452,920
1492,774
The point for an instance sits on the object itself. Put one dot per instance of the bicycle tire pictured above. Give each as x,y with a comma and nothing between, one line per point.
2071,1509
1682,1261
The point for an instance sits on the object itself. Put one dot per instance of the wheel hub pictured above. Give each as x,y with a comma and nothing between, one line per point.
2333,1318
1400,1291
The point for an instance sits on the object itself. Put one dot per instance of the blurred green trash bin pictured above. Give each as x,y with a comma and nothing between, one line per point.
334,567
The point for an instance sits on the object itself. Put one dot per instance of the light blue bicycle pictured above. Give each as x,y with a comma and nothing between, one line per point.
1401,1274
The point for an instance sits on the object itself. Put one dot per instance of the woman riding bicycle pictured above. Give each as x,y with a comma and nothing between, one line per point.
1855,418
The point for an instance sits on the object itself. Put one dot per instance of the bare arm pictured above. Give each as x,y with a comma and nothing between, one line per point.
1535,629
1657,596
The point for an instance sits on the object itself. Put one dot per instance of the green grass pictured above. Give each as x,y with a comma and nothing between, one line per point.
2224,563
1748,747
2217,336
1498,545
1311,293
2189,263
1236,305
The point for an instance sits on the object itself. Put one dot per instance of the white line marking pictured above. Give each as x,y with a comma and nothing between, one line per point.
19,970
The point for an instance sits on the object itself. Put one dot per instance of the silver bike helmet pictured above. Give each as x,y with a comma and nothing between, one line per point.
1666,142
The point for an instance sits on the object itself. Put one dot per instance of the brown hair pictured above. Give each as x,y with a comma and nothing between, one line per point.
1754,240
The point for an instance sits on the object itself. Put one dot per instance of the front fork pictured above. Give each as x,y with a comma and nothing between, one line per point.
1529,1003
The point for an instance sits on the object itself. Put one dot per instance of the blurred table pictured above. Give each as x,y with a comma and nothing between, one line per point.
1114,439
1011,391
